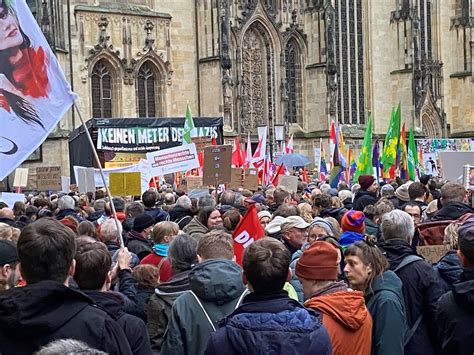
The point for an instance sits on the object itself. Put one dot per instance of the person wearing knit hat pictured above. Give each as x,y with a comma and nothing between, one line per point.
321,226
367,194
139,242
10,266
264,218
353,228
402,193
344,312
294,232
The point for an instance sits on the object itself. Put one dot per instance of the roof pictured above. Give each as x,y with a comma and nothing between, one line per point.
124,9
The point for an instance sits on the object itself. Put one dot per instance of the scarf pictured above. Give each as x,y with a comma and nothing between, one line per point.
161,249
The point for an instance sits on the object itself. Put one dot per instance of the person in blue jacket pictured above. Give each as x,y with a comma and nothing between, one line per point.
268,321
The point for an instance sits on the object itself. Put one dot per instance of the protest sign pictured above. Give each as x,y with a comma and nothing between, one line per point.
236,178
201,143
452,164
21,177
65,183
85,179
432,253
289,183
217,164
10,198
125,184
250,179
48,178
194,182
171,160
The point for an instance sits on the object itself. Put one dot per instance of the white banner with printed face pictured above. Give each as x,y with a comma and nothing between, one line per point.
34,94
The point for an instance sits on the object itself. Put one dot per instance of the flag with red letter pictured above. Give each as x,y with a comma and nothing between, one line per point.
247,231
34,94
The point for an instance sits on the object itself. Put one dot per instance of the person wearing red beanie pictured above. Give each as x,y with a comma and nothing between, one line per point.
353,228
367,194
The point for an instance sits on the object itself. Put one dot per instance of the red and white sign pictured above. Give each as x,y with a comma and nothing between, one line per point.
247,231
171,160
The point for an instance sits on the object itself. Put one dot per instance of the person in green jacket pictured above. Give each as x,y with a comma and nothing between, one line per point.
367,271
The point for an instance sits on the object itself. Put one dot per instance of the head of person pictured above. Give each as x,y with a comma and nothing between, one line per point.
184,202
231,219
108,231
46,251
320,202
6,212
387,190
264,218
227,198
281,196
364,262
319,228
146,275
269,196
294,231
143,224
305,211
134,209
397,225
11,35
149,198
451,237
209,217
317,267
19,209
345,195
6,232
99,205
169,198
369,212
70,222
93,264
216,244
402,192
353,221
266,265
381,208
466,243
342,185
414,210
68,346
164,232
286,210
119,204
453,192
367,183
182,253
325,188
9,264
66,203
206,201
418,191
87,228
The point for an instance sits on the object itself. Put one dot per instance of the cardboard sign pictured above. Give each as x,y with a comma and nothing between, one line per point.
290,183
48,178
201,143
21,177
194,182
217,164
432,253
125,184
10,198
171,160
251,179
236,178
85,179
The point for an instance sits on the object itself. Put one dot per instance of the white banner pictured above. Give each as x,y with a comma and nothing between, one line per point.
171,160
10,198
317,158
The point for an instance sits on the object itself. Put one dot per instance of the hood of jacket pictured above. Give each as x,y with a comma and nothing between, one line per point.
395,250
388,281
336,213
449,267
463,291
177,283
349,237
362,193
112,302
66,212
40,308
195,227
347,307
452,210
216,280
157,213
178,212
134,235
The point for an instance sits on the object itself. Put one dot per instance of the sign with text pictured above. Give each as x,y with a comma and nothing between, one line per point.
48,178
171,160
289,183
85,179
125,184
21,177
432,253
250,179
201,143
217,164
236,178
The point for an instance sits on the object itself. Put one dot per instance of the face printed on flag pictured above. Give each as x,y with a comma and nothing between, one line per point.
34,94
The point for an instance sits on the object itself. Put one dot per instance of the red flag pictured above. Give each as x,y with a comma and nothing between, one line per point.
289,146
237,157
278,172
247,231
304,175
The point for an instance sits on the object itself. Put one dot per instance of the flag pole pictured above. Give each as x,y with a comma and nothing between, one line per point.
97,160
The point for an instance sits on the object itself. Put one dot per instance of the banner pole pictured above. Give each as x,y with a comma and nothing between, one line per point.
97,160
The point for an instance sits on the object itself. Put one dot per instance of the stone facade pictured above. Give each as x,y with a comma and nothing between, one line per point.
267,62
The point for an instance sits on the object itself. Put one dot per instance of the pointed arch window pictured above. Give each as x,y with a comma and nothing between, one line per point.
149,93
102,89
293,82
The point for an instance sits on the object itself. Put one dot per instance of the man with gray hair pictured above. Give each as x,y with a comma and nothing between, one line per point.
421,289
66,206
181,212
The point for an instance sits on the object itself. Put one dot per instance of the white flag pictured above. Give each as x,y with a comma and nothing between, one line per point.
34,94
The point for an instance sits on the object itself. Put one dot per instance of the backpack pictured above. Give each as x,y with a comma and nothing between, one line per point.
432,233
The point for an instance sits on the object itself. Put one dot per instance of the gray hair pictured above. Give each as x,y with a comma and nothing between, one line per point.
397,225
325,188
206,201
345,194
182,252
108,230
169,198
66,202
68,346
355,188
184,202
99,205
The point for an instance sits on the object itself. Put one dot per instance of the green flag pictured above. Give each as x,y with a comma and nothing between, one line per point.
189,128
389,153
364,166
412,156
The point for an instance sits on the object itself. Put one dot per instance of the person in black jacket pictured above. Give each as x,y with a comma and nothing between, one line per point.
181,213
150,199
421,287
138,241
93,276
453,198
454,315
46,309
367,194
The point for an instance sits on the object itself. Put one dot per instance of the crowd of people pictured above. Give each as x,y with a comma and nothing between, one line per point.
337,272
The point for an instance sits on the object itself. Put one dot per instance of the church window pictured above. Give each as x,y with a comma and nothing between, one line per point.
102,92
461,22
148,91
293,82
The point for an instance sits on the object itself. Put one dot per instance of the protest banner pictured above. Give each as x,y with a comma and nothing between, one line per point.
85,179
250,179
48,178
236,178
65,183
125,184
289,183
217,164
201,143
452,164
21,177
432,253
171,160
10,198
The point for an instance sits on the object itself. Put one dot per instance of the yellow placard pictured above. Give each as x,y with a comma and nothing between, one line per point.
125,184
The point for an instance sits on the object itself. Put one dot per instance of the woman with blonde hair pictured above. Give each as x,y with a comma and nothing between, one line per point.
306,212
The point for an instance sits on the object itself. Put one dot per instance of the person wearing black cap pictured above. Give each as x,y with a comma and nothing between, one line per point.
138,241
454,316
9,262
367,195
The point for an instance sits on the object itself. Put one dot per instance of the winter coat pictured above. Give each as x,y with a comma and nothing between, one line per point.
346,319
455,317
449,270
9,221
371,228
165,268
157,213
336,213
451,211
295,282
217,284
421,292
362,199
159,306
348,203
181,215
69,212
34,315
384,299
395,201
133,327
195,229
138,244
273,324
348,238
